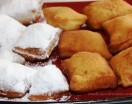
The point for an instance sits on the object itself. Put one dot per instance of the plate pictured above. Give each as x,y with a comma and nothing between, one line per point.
118,95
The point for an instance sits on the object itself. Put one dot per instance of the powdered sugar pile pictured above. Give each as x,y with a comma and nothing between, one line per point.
39,36
14,77
43,80
22,10
10,30
48,80
11,56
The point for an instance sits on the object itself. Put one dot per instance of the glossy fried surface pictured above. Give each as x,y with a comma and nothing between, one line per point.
120,32
122,66
103,10
82,40
64,17
88,72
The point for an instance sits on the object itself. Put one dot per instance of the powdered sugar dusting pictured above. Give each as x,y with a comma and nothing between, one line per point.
14,77
11,56
10,30
40,36
48,80
22,10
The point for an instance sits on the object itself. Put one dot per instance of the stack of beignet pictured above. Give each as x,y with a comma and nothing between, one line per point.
43,83
87,61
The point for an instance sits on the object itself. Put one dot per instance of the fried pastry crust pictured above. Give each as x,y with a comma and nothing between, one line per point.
48,83
82,40
64,17
103,10
11,94
88,72
46,97
122,66
120,32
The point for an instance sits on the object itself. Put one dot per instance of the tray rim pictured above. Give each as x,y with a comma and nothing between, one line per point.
66,1
126,100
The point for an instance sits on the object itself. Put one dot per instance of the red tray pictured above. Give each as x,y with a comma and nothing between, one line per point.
117,94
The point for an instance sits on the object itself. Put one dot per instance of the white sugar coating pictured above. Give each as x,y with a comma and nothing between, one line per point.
48,80
38,35
11,56
10,30
22,10
15,77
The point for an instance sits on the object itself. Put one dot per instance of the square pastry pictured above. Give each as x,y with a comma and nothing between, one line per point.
75,41
14,79
120,32
37,41
48,83
88,72
100,11
122,66
64,17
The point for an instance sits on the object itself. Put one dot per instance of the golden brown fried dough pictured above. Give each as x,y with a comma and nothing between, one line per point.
122,66
11,94
82,40
103,10
120,32
88,72
64,17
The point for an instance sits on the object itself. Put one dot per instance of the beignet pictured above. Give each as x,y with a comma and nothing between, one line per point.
120,32
10,31
64,17
48,83
82,40
122,66
103,10
25,11
37,41
14,79
11,56
88,72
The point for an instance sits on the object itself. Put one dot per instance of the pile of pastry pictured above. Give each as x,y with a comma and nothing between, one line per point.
89,64
24,36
